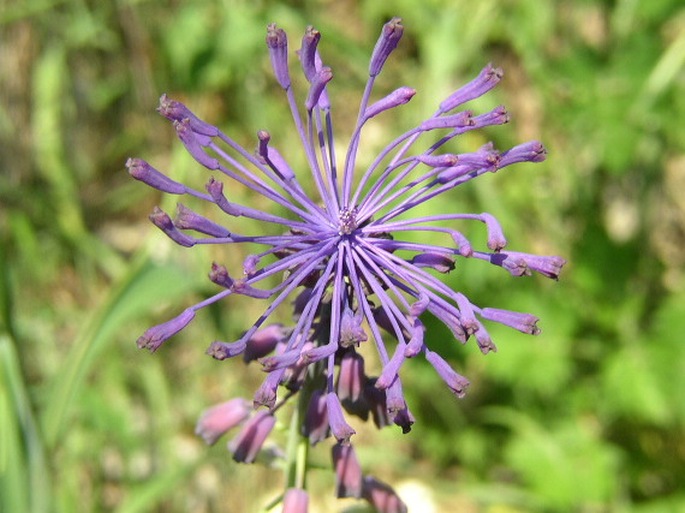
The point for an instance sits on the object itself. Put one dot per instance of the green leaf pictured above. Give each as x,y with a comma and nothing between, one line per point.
140,291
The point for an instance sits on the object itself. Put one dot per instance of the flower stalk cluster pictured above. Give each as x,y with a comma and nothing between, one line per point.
348,268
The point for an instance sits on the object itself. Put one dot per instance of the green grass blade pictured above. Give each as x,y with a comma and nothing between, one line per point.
24,476
139,292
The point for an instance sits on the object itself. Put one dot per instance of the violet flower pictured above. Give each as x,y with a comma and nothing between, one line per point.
343,254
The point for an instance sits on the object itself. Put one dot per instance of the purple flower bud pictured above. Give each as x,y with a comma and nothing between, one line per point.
220,276
459,120
351,377
272,157
549,266
277,42
295,500
395,99
387,42
315,425
281,361
496,239
397,406
141,170
419,306
340,429
223,350
532,151
394,397
186,219
247,444
348,472
162,221
310,41
523,322
322,77
488,78
439,262
218,419
240,287
468,319
404,419
381,496
194,143
465,248
157,335
497,116
318,353
176,111
392,368
515,265
455,327
485,343
266,393
263,341
455,382
415,345
250,264
215,188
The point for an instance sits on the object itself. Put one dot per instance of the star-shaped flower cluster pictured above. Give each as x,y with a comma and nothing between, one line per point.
344,255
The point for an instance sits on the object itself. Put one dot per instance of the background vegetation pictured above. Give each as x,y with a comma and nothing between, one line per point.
587,417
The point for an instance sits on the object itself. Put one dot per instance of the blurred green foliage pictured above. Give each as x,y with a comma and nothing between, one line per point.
587,417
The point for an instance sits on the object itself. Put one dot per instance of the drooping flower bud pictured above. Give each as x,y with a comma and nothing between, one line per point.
454,381
295,500
247,444
219,419
340,429
382,497
315,425
348,472
351,377
263,341
322,77
162,221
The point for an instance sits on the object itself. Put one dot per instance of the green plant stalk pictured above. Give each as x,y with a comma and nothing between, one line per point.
26,444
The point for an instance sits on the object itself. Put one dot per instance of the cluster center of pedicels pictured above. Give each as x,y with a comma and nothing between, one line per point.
347,221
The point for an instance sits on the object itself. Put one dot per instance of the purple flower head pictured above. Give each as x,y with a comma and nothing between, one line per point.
353,249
